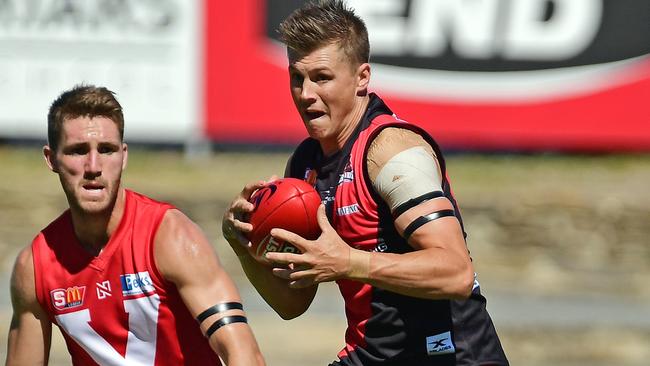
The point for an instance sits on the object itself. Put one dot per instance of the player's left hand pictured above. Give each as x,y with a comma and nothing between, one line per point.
324,259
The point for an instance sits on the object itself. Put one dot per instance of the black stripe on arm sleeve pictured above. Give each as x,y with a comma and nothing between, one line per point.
416,201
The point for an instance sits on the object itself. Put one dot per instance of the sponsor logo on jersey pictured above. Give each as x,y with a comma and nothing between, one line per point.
327,196
347,175
381,247
440,344
347,210
136,284
103,289
68,298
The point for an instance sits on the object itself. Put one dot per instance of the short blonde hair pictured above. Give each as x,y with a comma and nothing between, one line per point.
320,23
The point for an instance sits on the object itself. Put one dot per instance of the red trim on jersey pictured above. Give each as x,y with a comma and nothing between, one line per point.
360,231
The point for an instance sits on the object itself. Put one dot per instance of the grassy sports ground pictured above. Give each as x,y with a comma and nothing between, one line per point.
561,244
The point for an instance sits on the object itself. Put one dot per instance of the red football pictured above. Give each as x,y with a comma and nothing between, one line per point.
289,204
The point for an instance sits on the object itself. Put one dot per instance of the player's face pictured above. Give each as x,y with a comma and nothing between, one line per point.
89,161
325,86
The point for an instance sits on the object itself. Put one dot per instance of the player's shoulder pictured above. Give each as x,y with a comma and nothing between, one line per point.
22,277
174,222
177,233
389,128
392,140
179,241
24,259
398,135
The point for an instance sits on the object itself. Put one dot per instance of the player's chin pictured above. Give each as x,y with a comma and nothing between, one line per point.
95,205
316,132
94,208
316,122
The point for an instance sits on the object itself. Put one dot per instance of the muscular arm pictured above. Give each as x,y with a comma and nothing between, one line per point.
438,268
30,331
286,301
185,257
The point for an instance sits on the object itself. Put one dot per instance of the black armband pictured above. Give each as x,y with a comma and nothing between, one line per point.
217,309
423,220
224,321
416,201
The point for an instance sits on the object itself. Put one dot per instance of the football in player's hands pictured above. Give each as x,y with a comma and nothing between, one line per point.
287,203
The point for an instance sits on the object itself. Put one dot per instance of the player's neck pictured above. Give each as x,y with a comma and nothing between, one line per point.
94,230
352,121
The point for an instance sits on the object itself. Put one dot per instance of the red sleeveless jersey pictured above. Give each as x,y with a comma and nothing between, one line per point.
116,309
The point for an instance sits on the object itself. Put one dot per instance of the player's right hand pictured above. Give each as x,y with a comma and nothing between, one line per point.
234,225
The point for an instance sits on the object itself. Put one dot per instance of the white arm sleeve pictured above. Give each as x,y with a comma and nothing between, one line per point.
409,174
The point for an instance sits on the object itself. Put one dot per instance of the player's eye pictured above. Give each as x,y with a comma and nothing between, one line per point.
107,149
321,78
76,150
296,79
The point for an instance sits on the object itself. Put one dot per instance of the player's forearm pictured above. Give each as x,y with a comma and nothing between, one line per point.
287,302
245,360
246,356
429,273
236,345
27,346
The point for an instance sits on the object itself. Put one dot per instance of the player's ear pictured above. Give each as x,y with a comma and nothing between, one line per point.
363,78
50,158
125,157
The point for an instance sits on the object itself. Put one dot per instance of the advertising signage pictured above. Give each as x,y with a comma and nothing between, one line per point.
145,51
531,75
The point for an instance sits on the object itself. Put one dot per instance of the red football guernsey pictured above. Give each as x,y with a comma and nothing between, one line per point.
116,309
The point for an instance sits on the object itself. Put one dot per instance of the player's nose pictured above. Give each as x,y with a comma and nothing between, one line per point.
308,91
93,163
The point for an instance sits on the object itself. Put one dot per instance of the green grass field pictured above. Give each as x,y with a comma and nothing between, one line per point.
561,244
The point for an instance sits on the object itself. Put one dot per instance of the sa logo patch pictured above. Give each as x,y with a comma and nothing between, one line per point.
68,298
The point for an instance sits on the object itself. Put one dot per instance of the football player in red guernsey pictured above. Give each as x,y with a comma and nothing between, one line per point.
127,279
392,235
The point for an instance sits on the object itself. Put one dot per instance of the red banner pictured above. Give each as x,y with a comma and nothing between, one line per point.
247,100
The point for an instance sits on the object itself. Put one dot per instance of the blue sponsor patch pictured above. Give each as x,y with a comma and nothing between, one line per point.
136,284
